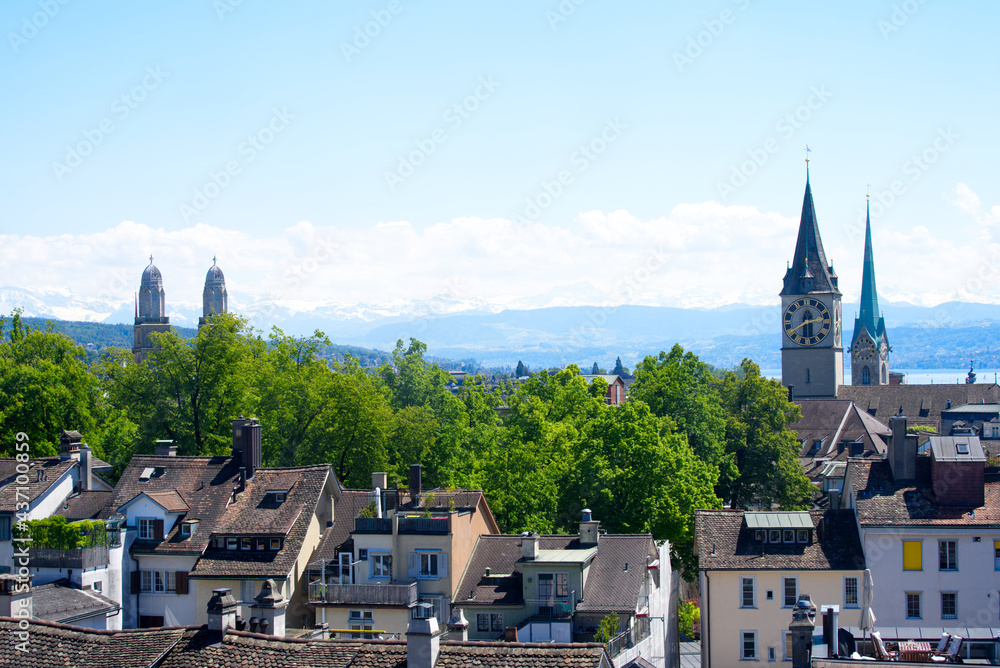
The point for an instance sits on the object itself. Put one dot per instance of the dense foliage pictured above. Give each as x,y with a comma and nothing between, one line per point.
542,448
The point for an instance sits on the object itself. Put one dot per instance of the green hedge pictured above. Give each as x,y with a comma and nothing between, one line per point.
56,532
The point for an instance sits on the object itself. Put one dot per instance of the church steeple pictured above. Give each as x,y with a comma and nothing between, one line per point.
868,313
810,271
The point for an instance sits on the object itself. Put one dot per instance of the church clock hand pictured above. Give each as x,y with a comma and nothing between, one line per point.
806,322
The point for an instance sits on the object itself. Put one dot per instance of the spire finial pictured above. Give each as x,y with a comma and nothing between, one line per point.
213,260
151,258
808,151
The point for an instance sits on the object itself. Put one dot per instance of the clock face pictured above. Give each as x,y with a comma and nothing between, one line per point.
865,351
807,321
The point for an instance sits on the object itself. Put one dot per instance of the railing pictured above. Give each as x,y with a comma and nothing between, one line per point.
349,634
554,606
373,525
629,638
80,557
424,525
363,594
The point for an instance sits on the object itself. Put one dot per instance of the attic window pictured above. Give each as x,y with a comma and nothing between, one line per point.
187,528
962,448
802,535
277,496
147,473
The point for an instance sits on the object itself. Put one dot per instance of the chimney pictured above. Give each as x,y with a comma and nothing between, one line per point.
415,481
165,448
529,546
380,480
458,626
423,643
321,631
221,614
238,436
69,445
510,634
86,468
589,535
902,450
251,446
15,596
269,607
834,499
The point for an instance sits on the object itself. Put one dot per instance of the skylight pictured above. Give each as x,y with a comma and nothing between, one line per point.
962,448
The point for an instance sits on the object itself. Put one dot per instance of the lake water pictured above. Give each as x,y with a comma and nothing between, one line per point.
921,376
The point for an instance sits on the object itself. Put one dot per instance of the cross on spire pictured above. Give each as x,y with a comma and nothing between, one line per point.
151,258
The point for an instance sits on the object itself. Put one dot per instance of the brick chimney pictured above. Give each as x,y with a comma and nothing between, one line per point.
589,535
269,608
69,444
423,643
902,450
221,614
529,546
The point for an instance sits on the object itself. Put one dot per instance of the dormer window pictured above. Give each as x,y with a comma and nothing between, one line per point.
275,543
276,496
187,528
147,528
231,543
150,472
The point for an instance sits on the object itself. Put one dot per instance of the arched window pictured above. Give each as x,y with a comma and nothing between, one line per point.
866,376
808,376
884,373
807,329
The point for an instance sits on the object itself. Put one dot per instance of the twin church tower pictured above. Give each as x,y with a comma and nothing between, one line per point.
151,309
812,352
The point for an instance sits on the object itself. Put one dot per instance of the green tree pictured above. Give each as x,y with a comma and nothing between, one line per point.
765,450
619,369
45,387
521,370
608,629
596,370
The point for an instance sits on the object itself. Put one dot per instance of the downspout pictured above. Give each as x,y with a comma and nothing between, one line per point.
705,632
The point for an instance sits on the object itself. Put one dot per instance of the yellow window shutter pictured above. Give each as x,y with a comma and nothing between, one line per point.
912,557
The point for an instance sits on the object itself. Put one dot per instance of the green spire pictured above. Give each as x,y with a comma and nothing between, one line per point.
868,312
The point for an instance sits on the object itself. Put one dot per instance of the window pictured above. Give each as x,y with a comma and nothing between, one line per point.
912,558
850,592
949,605
275,543
996,555
431,605
146,580
866,376
5,527
948,555
360,620
913,605
146,528
774,536
186,530
553,584
758,534
261,544
802,535
171,578
789,535
428,564
489,622
769,595
786,644
748,598
158,582
97,586
790,586
362,554
770,654
381,565
748,645
230,543
246,543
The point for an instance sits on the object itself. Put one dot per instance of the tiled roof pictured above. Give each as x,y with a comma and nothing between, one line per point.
254,513
171,501
204,483
833,421
44,472
880,501
888,400
85,505
336,539
51,645
609,586
62,601
723,532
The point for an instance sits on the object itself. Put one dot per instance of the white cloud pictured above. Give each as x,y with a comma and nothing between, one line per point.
699,255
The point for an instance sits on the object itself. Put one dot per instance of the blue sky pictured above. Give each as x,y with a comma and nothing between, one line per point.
491,105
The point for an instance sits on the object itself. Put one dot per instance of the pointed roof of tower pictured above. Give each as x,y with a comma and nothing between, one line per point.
869,315
809,261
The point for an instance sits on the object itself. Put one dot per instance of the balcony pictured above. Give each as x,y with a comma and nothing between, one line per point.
438,525
554,607
80,557
372,525
363,594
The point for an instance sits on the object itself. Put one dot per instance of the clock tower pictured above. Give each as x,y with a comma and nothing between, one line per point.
870,347
812,354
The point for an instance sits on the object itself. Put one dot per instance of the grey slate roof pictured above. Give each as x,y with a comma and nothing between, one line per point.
724,532
53,645
921,404
833,421
62,601
609,586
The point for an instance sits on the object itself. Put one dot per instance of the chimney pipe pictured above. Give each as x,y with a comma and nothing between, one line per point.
589,535
529,546
423,643
415,481
380,480
165,448
221,614
86,468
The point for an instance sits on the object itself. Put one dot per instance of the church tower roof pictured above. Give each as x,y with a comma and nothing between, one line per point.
810,271
869,316
215,298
